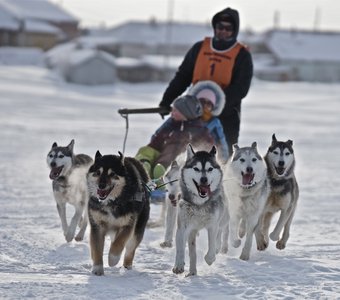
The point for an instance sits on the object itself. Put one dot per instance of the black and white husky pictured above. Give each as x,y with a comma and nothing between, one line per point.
68,174
119,206
284,193
247,188
201,206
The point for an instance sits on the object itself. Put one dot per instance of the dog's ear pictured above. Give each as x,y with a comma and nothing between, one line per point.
54,145
70,145
274,138
190,151
235,147
254,145
121,157
174,164
290,143
98,155
213,151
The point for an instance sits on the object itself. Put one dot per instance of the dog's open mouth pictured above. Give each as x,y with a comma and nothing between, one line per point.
203,189
280,170
103,193
248,179
55,172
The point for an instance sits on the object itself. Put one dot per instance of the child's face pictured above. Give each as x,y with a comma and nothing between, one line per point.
207,108
176,115
207,105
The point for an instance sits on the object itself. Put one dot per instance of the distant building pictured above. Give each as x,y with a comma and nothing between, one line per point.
300,55
35,23
135,39
89,67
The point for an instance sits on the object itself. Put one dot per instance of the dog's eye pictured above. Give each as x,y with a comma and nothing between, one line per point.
50,155
275,152
254,159
287,154
61,156
96,173
242,160
196,169
210,169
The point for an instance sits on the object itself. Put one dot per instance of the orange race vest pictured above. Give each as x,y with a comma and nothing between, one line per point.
215,65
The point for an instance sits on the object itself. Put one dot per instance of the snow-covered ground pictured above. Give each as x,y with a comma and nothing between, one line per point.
37,109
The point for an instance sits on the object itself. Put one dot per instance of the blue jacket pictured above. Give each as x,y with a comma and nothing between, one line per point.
215,128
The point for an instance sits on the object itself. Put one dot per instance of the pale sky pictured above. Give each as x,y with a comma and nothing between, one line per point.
255,14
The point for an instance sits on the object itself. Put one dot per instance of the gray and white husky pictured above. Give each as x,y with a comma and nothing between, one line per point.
284,193
247,188
174,194
68,174
201,206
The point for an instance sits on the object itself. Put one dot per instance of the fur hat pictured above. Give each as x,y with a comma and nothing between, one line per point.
189,106
207,87
207,94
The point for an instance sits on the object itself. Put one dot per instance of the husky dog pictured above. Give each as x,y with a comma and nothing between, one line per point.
284,193
171,177
247,189
119,206
68,175
201,206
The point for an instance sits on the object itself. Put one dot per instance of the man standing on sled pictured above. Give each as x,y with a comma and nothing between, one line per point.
221,59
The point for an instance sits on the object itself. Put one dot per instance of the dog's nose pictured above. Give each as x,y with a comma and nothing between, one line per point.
53,164
249,170
102,185
204,180
281,163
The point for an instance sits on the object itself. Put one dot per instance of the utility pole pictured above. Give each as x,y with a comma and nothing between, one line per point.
276,19
317,18
168,34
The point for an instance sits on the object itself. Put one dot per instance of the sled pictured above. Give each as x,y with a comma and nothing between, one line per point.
157,195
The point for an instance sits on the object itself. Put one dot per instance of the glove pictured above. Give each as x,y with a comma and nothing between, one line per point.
165,110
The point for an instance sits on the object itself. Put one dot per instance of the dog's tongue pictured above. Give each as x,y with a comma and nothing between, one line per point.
103,193
247,178
55,172
204,190
280,170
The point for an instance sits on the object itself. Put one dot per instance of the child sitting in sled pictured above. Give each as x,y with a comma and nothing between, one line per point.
184,126
213,101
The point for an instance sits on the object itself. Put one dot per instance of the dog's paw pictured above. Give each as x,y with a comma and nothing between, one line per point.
178,269
98,270
280,245
274,237
69,237
113,260
236,243
262,244
244,255
166,244
79,237
224,249
191,273
209,259
128,267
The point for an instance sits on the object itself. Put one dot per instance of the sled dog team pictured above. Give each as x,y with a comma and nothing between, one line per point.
231,201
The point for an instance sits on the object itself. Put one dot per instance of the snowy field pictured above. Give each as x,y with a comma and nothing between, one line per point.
37,109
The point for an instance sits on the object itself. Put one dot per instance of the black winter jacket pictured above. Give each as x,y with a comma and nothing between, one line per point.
241,78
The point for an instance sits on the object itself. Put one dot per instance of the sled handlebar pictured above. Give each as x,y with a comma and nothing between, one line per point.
150,110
